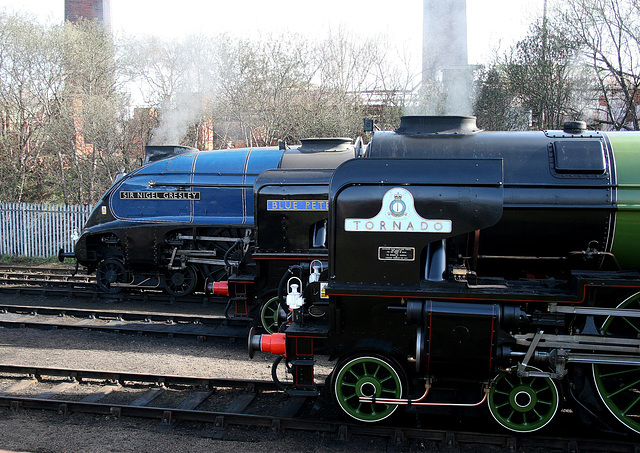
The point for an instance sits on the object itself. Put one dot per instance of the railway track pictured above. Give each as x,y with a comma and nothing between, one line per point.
61,281
84,307
54,279
222,403
42,273
123,321
228,403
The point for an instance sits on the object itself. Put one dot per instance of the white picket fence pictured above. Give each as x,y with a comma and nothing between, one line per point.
39,230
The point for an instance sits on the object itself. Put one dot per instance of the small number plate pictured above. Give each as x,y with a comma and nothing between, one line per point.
396,253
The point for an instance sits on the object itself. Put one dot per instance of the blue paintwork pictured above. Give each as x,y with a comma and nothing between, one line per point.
223,179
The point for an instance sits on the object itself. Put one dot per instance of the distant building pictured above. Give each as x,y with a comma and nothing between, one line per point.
99,10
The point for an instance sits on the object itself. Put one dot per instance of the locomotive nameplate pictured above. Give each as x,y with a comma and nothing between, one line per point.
398,214
396,253
157,195
297,205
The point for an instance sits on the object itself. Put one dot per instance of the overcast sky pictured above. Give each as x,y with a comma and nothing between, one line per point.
491,23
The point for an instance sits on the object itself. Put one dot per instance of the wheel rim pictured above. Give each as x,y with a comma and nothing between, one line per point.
111,271
181,282
367,376
271,315
523,404
619,385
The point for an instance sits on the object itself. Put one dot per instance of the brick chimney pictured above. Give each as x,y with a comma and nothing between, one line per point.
99,10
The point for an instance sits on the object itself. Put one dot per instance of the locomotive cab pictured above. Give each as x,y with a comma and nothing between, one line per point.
291,207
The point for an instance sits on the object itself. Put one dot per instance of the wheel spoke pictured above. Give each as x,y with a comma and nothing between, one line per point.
351,397
510,385
630,406
510,416
388,378
538,414
624,388
617,372
633,326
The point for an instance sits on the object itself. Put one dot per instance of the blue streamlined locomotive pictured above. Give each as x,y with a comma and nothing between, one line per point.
185,216
462,268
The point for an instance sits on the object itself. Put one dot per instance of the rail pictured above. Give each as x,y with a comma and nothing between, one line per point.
228,403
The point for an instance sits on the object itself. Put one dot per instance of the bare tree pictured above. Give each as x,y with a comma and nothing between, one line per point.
30,87
540,73
537,83
266,90
175,78
62,111
280,88
609,32
89,129
376,80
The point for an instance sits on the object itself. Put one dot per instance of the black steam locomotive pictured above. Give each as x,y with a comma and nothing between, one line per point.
439,266
462,267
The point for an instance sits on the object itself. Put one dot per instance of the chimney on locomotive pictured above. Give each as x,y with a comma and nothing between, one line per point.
153,153
440,125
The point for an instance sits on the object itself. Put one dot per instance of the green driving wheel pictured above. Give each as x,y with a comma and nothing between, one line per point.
619,385
367,377
271,315
523,404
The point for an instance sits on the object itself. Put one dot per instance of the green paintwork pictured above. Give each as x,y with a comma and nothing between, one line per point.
271,315
367,376
523,404
626,246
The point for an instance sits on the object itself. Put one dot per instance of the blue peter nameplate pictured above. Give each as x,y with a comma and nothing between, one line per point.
297,205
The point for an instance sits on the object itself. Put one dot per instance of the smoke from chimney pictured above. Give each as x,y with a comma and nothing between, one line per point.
446,74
